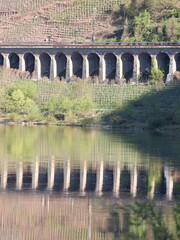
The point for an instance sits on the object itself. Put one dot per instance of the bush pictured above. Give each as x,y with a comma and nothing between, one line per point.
116,120
50,119
70,118
29,89
156,122
156,74
15,117
87,121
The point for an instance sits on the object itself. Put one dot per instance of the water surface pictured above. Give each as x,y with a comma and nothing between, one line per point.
74,183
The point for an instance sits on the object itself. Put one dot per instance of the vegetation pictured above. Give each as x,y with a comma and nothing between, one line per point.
157,108
147,20
145,216
151,105
71,21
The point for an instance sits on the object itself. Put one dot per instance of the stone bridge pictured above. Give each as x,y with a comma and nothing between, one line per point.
107,61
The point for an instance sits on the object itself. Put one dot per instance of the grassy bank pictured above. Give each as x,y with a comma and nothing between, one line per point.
140,105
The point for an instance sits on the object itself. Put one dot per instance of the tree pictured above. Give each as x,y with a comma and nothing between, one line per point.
142,27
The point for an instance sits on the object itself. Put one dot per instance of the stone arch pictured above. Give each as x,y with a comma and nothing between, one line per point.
61,61
177,59
110,63
45,64
128,64
93,60
163,61
1,60
14,60
29,62
77,64
145,65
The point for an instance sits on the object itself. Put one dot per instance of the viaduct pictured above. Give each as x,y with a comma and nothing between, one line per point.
107,61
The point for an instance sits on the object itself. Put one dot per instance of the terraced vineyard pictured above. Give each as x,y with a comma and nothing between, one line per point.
55,20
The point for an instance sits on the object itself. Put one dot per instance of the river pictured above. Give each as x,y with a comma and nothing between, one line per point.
73,183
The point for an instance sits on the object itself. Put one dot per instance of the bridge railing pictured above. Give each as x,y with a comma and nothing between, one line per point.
50,43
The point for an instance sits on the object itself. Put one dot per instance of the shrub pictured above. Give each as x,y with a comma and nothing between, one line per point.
29,89
156,122
17,101
87,121
50,119
15,117
70,118
156,74
116,120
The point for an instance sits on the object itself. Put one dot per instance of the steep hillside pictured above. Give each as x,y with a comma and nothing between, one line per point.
68,21
87,20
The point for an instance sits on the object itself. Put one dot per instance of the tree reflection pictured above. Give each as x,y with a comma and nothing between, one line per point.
146,220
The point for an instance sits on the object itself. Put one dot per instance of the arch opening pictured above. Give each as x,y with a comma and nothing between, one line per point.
128,64
29,62
177,59
14,61
1,60
93,60
61,61
110,62
163,61
77,63
145,65
45,65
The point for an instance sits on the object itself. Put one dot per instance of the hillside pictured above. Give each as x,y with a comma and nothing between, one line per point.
86,20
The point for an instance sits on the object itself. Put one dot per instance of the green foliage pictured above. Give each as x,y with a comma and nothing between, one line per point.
156,122
156,74
63,105
142,27
29,89
19,101
143,216
116,120
87,121
148,20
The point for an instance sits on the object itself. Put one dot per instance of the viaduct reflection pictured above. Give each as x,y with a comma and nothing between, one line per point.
98,178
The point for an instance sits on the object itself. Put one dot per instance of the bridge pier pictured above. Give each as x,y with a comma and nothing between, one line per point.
85,73
119,68
53,68
172,68
37,67
69,68
6,62
22,65
102,69
136,68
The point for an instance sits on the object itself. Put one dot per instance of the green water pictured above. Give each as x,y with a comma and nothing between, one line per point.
74,183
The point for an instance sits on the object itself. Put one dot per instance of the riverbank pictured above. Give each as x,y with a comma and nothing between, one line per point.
125,106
